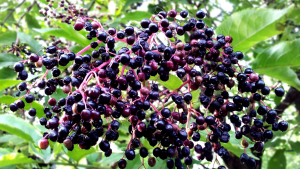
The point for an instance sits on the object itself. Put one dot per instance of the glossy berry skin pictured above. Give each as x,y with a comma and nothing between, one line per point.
104,146
283,126
143,152
244,158
32,112
153,27
18,67
279,92
145,23
13,107
130,154
268,134
166,112
122,163
200,14
121,35
184,13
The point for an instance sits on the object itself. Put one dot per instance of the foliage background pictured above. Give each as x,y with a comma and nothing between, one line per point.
269,36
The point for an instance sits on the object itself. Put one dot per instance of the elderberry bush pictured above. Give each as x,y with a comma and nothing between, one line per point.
109,85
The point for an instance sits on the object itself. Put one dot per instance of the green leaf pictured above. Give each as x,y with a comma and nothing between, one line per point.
277,60
59,94
295,146
11,139
19,127
57,148
173,83
39,108
195,95
31,21
236,148
8,83
136,16
14,158
275,143
35,47
10,20
45,155
251,26
278,160
7,38
92,158
7,73
4,151
66,31
113,158
7,59
78,153
135,163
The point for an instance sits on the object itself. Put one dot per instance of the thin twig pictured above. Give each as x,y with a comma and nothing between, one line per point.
13,10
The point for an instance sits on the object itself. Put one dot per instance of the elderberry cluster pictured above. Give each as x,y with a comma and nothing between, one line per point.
111,85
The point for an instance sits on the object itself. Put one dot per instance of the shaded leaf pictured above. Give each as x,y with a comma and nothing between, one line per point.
59,94
78,153
173,83
284,74
35,47
295,146
39,108
112,158
251,26
66,31
236,148
14,158
4,151
7,38
274,143
8,83
45,155
19,127
8,59
136,16
31,21
135,163
277,60
278,160
11,139
7,73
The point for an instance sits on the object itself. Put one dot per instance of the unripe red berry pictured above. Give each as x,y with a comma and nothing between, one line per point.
68,143
141,76
141,126
228,39
144,91
79,25
198,80
172,13
253,77
43,143
95,25
52,102
66,89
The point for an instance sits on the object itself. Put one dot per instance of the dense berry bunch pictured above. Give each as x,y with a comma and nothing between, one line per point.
114,85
